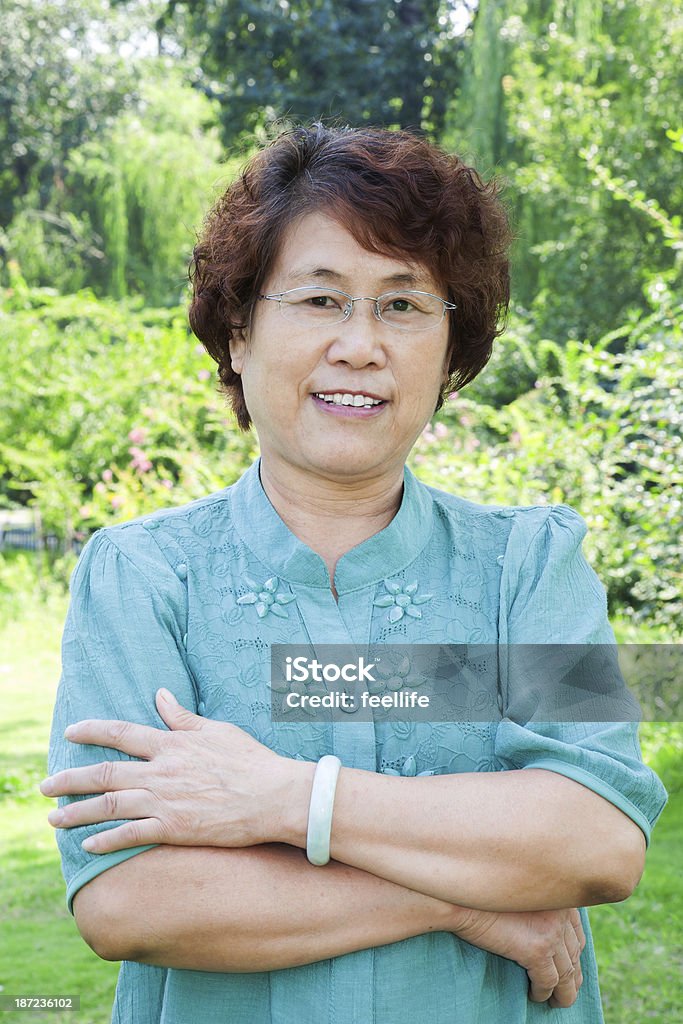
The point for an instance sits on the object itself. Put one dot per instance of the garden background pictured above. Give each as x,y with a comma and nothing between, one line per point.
119,123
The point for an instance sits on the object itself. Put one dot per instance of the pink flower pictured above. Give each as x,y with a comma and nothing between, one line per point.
84,511
441,430
453,395
139,460
100,487
137,435
167,483
199,350
107,475
116,502
204,375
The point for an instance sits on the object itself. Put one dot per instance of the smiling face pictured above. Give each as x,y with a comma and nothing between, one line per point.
287,367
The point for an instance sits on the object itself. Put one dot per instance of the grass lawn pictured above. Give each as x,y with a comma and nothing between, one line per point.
639,943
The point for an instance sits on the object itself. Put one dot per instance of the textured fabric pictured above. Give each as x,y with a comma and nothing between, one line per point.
193,598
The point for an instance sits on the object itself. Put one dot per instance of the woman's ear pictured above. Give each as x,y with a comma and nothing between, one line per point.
238,348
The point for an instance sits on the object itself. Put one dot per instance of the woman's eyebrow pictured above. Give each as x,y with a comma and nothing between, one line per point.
324,273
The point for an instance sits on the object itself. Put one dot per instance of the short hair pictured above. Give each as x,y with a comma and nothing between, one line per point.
397,194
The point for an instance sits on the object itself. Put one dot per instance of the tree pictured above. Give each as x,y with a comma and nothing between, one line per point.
381,62
62,79
571,83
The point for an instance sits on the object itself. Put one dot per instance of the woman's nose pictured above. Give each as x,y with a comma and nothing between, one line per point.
359,340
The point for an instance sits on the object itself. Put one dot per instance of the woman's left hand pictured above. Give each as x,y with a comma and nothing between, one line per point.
204,783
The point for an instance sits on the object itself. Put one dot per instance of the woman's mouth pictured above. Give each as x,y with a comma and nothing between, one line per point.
348,403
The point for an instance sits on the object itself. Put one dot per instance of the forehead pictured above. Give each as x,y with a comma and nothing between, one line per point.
318,248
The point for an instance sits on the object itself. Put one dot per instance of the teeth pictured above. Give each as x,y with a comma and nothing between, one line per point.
344,398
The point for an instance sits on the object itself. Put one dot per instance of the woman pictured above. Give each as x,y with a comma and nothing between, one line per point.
344,284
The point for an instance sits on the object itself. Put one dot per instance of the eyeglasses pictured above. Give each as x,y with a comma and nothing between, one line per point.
405,310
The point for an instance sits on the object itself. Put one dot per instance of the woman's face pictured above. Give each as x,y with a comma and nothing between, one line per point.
284,365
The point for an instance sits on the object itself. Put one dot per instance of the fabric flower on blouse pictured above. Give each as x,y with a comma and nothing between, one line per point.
402,599
266,597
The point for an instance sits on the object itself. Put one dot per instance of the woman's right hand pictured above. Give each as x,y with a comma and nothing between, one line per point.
546,943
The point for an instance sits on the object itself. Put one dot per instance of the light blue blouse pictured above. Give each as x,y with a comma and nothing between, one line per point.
171,599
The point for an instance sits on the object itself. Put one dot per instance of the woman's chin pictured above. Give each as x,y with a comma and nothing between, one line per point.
348,464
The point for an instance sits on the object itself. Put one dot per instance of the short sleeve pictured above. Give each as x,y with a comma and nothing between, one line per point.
550,595
122,640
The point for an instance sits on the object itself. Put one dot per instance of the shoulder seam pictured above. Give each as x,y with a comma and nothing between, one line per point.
152,585
161,516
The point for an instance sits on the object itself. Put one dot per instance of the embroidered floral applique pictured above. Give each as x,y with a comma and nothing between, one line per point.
266,598
402,599
408,769
393,671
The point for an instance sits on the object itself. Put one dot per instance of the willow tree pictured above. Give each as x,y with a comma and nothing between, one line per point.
552,87
145,187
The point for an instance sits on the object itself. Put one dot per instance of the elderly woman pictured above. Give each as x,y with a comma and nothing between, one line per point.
254,870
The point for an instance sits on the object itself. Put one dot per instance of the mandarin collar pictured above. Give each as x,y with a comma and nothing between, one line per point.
263,531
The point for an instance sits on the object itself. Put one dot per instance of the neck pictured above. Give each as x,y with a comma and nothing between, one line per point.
332,516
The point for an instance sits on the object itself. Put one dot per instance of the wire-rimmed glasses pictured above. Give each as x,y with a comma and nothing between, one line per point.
406,310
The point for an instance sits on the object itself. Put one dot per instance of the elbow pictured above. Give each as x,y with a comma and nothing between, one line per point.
103,930
623,870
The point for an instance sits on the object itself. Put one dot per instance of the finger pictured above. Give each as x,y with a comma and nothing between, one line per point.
565,992
104,777
572,943
134,833
577,925
137,740
135,803
175,715
543,978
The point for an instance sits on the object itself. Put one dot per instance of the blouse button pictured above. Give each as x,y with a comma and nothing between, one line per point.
351,710
500,559
201,707
181,571
151,525
506,513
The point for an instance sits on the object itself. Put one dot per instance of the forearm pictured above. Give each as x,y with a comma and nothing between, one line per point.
259,908
502,841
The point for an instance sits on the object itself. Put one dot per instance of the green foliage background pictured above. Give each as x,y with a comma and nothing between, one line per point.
120,122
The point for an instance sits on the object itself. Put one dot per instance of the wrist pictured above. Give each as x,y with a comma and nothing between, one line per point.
293,799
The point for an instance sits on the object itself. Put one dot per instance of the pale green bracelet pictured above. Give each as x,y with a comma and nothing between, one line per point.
320,809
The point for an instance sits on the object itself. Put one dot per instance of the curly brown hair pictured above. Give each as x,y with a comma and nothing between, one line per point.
396,193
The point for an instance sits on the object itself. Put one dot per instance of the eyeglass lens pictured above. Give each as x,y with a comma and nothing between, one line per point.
407,310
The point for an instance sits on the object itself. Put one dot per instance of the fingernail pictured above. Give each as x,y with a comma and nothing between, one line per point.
46,787
168,697
89,843
69,731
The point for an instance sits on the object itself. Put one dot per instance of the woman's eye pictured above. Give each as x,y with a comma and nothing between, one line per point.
401,305
322,301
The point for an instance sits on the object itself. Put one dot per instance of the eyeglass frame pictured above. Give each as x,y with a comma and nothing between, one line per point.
350,305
